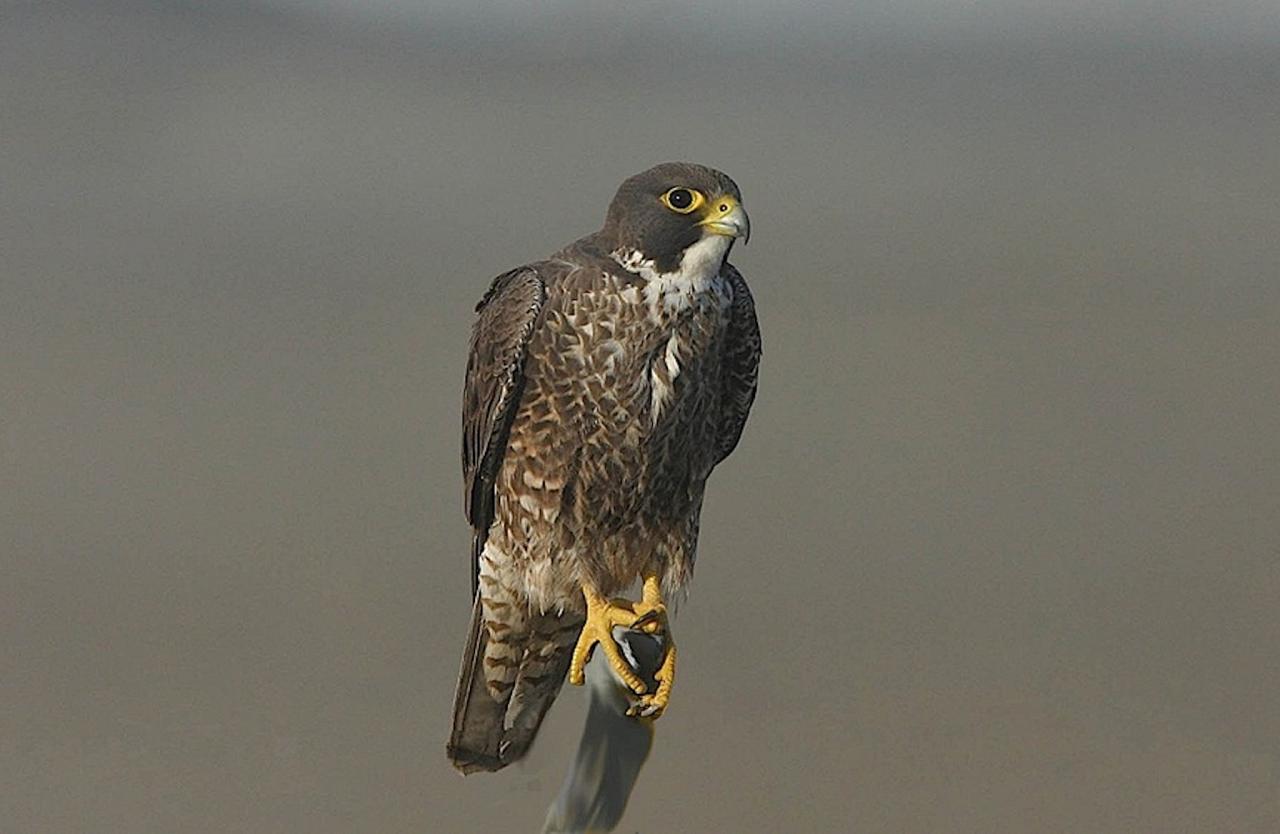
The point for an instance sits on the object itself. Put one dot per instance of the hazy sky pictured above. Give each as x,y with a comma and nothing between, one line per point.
1232,20
997,552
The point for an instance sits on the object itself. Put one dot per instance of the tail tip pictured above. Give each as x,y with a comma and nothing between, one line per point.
471,761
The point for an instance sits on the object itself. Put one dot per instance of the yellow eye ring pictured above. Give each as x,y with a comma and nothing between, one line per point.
683,200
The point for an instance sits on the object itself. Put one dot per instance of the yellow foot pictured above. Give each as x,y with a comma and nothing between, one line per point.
648,615
653,705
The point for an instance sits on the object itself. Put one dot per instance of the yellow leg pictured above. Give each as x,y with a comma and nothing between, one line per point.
648,615
602,616
652,619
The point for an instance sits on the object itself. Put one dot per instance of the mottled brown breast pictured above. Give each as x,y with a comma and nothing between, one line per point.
616,431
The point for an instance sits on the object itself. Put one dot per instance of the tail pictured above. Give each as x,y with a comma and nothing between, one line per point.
613,748
491,732
476,740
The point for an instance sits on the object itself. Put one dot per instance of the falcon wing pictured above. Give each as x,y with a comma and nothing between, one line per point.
494,384
739,364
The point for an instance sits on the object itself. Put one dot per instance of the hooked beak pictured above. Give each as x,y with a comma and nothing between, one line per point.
725,216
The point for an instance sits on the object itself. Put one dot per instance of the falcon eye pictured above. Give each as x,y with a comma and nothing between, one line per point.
682,200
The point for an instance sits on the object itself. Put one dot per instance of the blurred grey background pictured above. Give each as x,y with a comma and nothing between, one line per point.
999,551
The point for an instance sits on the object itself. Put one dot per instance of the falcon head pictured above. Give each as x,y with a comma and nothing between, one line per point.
673,209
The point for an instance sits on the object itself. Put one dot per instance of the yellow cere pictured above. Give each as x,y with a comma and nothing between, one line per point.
724,205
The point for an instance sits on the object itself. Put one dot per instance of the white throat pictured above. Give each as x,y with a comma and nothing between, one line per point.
697,273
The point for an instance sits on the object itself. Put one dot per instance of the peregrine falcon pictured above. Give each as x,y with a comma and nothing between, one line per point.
603,386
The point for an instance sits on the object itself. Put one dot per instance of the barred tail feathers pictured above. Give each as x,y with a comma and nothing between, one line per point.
511,674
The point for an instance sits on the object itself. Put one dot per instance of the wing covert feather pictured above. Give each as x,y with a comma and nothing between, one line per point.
506,319
740,364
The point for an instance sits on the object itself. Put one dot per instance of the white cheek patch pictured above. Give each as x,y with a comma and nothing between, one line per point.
672,292
702,260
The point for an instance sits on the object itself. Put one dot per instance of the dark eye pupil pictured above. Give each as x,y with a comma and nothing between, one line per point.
681,198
